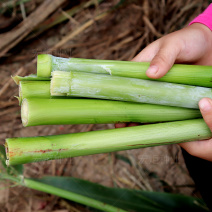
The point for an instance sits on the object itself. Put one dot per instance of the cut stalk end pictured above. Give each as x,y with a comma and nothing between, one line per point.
44,65
7,153
60,83
24,112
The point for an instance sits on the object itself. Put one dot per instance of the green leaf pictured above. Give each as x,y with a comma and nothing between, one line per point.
127,199
123,158
176,202
18,169
3,156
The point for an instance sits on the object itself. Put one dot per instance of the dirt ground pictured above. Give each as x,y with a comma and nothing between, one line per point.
124,29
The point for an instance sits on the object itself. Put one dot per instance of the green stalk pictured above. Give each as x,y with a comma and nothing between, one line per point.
70,196
90,111
31,77
34,149
34,89
102,86
183,74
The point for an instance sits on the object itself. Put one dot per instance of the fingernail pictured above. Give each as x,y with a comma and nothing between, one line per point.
152,70
205,105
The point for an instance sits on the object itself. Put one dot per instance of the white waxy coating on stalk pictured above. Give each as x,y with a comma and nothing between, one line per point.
60,83
76,64
60,64
130,89
183,74
106,68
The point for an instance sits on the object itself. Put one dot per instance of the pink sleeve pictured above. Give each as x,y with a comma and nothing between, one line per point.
205,18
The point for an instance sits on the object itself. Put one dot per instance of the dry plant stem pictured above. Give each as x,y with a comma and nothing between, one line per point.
77,31
59,18
90,111
25,27
183,74
30,183
103,86
34,149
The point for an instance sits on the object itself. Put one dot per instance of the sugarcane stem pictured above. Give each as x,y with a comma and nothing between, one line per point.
24,112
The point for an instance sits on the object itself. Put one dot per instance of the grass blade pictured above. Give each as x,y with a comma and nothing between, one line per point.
127,199
38,185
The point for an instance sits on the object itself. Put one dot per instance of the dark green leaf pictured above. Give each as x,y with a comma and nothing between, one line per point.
3,156
176,202
123,158
127,199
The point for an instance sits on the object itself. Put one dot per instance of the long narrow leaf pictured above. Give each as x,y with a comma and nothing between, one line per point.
35,184
127,199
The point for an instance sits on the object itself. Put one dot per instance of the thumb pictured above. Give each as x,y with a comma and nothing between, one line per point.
202,149
205,106
163,60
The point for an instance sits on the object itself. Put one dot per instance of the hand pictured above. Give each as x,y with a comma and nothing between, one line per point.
191,45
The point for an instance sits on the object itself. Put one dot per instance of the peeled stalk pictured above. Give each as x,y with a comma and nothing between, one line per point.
34,149
102,86
183,74
90,111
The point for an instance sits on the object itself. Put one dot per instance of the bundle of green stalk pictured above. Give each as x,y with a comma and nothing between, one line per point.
108,92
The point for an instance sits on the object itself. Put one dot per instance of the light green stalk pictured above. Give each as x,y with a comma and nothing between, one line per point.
183,74
70,196
34,149
89,111
34,89
102,86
